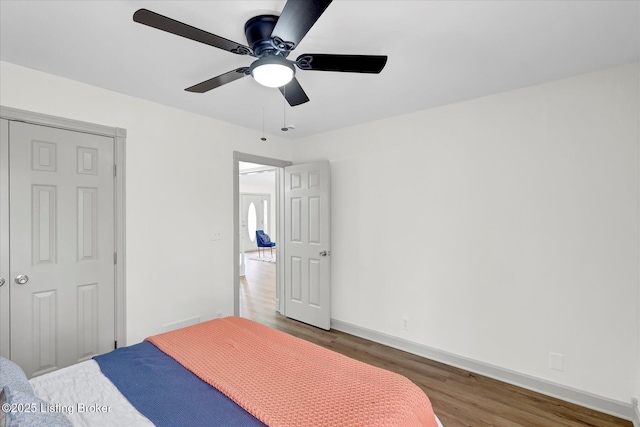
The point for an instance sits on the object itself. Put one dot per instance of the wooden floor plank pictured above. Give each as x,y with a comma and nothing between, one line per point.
460,398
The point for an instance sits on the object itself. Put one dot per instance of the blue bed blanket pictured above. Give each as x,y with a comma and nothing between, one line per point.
168,394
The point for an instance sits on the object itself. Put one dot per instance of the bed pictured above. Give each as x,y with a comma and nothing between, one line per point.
224,372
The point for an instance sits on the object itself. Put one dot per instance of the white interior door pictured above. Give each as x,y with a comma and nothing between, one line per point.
307,243
62,246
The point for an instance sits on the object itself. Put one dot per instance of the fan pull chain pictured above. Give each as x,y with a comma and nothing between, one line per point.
284,127
263,137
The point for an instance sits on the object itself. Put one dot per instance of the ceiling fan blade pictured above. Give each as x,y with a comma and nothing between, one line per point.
293,93
297,17
344,63
220,80
155,20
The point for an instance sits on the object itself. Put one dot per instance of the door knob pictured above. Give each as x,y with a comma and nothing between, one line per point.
325,253
1,281
22,279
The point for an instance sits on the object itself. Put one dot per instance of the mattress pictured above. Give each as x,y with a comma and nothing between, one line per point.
87,397
134,385
80,387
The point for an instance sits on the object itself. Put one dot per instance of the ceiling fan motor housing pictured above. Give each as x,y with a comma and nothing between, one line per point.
258,31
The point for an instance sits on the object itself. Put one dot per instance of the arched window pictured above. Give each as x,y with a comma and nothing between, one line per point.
252,220
265,215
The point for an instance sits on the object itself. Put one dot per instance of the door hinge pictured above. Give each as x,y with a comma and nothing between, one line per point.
114,170
115,257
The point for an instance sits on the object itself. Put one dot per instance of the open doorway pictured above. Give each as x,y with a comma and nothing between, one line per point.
258,278
303,278
258,231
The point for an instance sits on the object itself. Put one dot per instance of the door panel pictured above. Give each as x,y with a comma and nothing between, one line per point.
43,225
307,243
45,330
62,238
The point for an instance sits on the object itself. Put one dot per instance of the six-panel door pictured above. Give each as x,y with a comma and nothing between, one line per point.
62,246
307,243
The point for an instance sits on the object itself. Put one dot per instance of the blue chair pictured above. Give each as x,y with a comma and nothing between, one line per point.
264,241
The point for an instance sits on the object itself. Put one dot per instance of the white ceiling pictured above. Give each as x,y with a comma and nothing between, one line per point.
440,52
246,167
255,177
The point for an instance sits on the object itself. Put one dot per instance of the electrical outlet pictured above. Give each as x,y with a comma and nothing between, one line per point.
216,235
405,323
556,361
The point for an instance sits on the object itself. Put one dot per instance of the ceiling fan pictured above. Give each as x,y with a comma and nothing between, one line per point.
271,39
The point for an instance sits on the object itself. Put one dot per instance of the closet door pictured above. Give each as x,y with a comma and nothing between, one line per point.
61,215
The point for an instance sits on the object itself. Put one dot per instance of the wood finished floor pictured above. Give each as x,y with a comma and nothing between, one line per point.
459,398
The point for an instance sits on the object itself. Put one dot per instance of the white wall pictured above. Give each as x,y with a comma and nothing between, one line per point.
504,228
179,190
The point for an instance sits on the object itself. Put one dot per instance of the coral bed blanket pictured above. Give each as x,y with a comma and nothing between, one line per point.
288,382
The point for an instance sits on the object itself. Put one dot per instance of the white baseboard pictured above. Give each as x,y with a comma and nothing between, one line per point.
619,409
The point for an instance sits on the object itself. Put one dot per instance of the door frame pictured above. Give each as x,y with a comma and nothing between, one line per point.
279,165
119,136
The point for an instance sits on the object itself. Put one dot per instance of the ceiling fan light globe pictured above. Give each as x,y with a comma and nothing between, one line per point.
272,75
